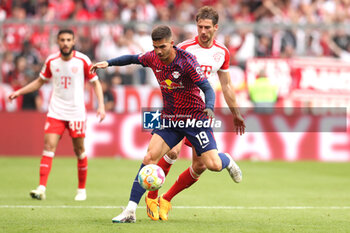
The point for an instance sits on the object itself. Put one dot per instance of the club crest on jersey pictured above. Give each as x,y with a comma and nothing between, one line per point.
217,57
74,69
176,74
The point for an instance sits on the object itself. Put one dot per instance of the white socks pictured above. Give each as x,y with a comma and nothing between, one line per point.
131,206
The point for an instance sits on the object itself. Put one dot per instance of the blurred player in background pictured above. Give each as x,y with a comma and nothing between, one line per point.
68,70
214,59
178,75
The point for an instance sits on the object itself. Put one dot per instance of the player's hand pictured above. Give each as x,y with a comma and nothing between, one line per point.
14,95
239,124
209,113
98,65
101,113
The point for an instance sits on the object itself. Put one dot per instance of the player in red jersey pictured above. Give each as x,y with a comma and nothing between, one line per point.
68,70
179,76
213,58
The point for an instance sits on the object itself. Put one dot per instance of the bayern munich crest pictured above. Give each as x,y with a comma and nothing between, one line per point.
74,69
217,57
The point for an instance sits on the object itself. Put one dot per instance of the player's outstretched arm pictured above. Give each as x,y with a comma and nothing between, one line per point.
118,61
33,86
230,98
99,93
98,65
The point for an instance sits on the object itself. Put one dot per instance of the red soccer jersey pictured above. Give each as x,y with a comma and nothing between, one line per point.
178,82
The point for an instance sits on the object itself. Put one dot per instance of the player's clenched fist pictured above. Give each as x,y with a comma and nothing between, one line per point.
14,95
209,113
98,65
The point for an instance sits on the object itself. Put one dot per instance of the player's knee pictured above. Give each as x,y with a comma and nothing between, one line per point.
199,168
79,150
49,147
214,165
149,159
173,154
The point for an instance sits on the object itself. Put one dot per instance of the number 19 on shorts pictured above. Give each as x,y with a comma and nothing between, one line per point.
203,139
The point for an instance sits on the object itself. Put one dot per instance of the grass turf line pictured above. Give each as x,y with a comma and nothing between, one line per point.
265,184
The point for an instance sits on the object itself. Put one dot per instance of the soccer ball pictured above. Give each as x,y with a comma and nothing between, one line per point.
151,177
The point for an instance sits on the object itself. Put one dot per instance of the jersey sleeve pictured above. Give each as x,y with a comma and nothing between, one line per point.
195,72
225,66
146,59
45,72
87,65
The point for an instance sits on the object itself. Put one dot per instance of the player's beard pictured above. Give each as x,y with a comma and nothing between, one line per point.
67,54
206,39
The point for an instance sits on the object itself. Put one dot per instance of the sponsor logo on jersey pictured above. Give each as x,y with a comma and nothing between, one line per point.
66,81
168,84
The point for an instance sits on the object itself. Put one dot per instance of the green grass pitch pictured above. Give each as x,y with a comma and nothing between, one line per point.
273,197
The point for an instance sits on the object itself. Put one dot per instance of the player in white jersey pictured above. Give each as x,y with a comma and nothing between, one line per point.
68,70
214,60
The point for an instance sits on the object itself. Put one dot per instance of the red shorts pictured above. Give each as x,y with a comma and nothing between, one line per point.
76,128
187,142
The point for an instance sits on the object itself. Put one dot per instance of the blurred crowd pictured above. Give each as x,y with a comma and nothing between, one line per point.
108,28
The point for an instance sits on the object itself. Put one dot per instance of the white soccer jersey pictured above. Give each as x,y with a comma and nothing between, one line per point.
213,59
68,79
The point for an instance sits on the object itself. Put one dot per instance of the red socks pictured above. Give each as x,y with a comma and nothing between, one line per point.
185,180
82,172
165,163
45,168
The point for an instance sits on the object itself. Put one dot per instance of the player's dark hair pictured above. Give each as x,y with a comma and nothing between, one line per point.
207,12
62,31
161,32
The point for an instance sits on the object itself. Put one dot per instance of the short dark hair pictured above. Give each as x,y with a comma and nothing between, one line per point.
62,31
161,32
207,12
